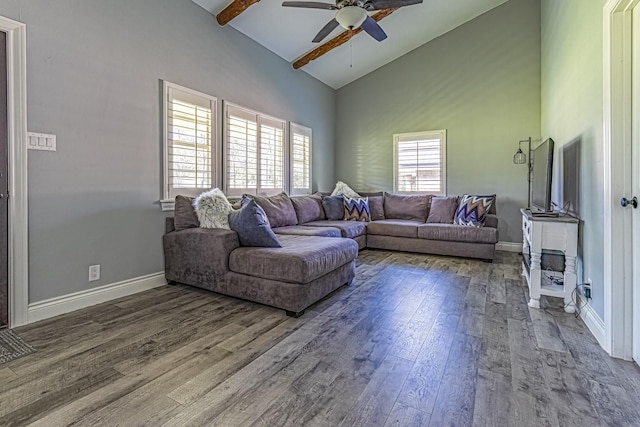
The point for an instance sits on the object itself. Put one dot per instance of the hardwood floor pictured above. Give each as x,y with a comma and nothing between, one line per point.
416,340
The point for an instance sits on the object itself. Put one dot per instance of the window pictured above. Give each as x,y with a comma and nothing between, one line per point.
420,162
254,152
189,147
300,149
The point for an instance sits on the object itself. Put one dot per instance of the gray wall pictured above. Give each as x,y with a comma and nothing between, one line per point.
480,81
94,70
572,113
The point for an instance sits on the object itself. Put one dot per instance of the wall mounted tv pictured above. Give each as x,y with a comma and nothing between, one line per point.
542,172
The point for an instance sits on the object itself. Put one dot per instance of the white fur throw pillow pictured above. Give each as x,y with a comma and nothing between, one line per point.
343,189
212,208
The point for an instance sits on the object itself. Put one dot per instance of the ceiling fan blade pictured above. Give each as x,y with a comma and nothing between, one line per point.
388,4
326,30
338,40
373,29
235,8
309,5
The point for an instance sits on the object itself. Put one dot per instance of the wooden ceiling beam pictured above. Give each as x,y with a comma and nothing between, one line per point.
234,9
337,41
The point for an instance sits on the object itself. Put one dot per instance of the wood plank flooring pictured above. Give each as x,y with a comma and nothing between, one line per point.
416,340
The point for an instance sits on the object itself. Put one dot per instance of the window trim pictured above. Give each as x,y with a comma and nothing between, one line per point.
259,115
303,130
167,203
440,134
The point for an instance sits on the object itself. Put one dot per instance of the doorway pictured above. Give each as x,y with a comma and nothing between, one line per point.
4,185
16,113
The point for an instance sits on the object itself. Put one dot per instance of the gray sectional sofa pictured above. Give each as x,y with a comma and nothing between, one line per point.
317,254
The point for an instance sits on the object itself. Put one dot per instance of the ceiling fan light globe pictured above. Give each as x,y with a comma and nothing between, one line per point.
351,17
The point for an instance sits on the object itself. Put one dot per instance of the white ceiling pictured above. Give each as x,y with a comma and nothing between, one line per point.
288,33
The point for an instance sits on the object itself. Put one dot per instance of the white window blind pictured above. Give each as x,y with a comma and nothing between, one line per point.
300,149
255,153
420,162
189,133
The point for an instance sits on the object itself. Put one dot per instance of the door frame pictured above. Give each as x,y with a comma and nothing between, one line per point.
618,283
18,208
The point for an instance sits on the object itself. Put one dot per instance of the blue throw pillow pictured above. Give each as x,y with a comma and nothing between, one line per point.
333,207
472,210
252,226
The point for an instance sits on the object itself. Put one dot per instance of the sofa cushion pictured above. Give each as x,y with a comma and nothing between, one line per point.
442,210
278,208
252,226
458,233
414,207
394,227
349,229
491,221
185,214
308,208
472,210
371,193
301,230
376,207
356,209
333,207
301,259
343,189
212,208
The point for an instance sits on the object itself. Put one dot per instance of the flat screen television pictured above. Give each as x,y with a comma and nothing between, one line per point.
542,172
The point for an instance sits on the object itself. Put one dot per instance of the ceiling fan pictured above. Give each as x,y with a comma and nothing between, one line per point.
352,14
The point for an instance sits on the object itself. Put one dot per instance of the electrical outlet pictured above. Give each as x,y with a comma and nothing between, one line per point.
587,289
94,272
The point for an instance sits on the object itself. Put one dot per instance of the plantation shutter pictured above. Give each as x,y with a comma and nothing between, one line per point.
300,149
254,153
241,152
271,156
420,163
190,122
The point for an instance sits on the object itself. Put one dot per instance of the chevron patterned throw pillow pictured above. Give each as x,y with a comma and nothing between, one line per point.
473,210
356,209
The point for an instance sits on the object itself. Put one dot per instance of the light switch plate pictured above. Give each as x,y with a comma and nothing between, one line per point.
41,141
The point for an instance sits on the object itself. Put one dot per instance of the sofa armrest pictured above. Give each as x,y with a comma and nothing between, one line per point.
169,224
198,256
491,221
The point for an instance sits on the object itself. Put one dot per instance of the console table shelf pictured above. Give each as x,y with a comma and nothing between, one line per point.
548,234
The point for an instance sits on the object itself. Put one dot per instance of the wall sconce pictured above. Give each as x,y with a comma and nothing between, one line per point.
520,158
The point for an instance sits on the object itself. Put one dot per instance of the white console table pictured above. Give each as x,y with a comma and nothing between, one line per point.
541,233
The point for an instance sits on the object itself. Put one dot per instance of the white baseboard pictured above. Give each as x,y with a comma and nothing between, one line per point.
59,305
509,247
594,323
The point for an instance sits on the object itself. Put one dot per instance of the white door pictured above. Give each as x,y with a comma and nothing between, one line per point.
634,245
4,185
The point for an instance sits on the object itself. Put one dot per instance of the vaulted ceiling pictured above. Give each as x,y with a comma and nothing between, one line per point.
288,33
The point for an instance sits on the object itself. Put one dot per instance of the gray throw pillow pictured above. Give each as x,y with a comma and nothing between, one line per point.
252,226
333,207
376,206
413,207
278,208
308,208
184,215
442,210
